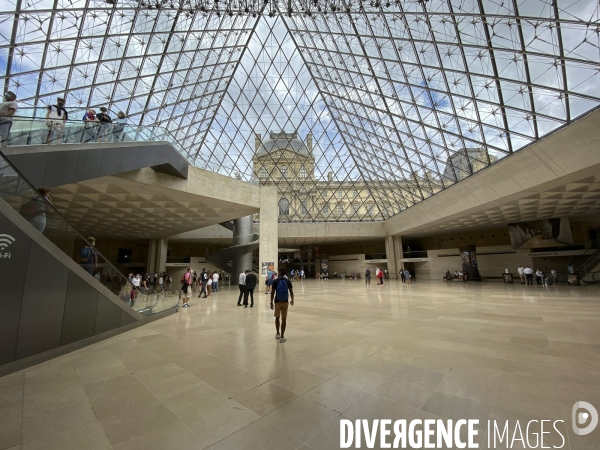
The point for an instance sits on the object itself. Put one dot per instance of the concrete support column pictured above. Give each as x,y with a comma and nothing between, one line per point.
161,255
390,254
398,252
152,248
242,234
269,227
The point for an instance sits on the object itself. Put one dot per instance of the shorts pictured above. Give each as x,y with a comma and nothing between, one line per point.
281,308
269,282
187,294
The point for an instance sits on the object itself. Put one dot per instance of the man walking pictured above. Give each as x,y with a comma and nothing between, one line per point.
528,275
242,287
186,287
368,276
281,292
521,273
407,275
203,281
402,276
251,281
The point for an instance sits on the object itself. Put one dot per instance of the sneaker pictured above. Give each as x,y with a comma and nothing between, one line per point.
282,339
185,305
277,336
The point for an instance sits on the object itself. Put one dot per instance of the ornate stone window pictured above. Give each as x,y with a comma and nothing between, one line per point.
284,207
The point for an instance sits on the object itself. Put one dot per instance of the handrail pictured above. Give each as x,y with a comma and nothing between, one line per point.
26,129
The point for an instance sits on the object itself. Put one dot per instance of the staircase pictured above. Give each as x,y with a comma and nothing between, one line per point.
222,254
590,269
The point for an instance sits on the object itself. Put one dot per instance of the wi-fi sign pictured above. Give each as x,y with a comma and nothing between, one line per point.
6,240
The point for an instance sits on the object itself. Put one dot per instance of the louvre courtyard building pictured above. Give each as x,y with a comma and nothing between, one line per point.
307,224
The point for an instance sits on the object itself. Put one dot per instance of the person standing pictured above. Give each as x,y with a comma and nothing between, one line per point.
203,283
407,275
35,209
379,277
215,284
105,125
242,287
251,281
269,280
368,276
161,283
119,127
528,271
521,272
88,256
56,117
90,126
282,290
186,287
402,276
209,283
8,108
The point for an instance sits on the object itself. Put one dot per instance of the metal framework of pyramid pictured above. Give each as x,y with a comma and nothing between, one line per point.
402,101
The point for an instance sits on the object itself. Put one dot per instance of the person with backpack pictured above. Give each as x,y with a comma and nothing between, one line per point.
407,276
368,276
56,117
203,282
281,293
186,287
88,256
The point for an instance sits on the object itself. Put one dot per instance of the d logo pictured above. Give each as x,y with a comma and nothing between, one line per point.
582,412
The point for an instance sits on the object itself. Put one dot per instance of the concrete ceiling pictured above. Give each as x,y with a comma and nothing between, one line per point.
575,199
118,207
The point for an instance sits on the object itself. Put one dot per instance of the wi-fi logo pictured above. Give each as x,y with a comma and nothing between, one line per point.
6,240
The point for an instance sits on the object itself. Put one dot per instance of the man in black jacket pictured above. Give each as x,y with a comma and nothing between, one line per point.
250,285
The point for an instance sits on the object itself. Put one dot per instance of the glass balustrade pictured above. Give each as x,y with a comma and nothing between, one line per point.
37,209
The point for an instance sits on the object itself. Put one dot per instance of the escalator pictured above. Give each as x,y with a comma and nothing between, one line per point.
53,300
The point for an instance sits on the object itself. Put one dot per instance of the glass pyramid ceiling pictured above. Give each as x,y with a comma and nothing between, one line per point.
398,103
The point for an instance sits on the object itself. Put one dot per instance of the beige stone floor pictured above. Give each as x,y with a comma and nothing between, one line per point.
214,376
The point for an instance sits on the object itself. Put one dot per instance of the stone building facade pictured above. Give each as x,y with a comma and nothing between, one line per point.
286,161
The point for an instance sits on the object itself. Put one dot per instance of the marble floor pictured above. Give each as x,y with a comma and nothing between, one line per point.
213,376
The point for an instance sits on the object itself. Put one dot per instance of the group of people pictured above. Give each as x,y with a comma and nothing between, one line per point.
247,283
458,275
150,280
97,127
101,127
208,282
526,274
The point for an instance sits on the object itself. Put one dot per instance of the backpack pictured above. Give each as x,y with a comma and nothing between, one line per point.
282,291
183,280
29,210
85,255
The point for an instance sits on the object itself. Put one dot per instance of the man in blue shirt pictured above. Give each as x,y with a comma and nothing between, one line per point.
281,292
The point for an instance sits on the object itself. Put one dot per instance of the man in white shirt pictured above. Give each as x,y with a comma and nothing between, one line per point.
242,286
521,273
215,284
528,271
